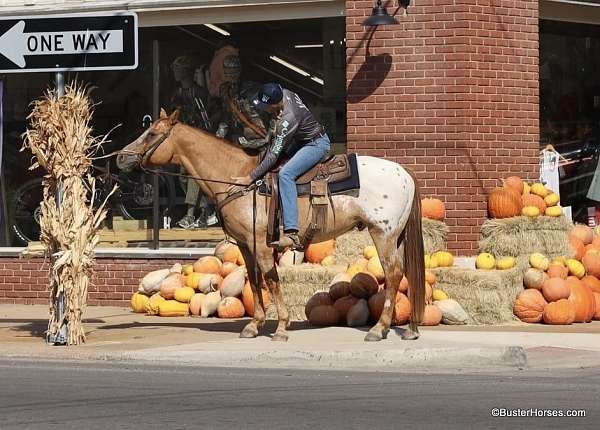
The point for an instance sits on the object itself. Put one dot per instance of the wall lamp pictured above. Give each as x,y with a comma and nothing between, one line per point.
380,16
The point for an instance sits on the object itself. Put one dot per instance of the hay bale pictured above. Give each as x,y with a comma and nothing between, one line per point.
486,295
349,246
523,236
299,283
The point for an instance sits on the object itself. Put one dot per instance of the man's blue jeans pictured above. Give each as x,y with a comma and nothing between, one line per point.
306,157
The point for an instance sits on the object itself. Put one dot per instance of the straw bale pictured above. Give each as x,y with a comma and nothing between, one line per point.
523,236
486,295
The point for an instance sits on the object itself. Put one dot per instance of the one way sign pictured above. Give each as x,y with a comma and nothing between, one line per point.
77,42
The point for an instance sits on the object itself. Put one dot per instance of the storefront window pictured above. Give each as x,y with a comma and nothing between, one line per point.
305,56
570,106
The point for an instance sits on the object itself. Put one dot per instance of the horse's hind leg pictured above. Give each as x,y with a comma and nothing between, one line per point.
256,280
392,260
267,265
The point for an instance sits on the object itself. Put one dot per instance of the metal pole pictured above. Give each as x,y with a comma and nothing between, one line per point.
61,337
156,114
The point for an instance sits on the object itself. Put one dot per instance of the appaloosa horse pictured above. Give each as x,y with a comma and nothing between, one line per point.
388,205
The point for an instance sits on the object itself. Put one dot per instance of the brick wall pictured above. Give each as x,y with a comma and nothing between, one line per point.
452,93
26,281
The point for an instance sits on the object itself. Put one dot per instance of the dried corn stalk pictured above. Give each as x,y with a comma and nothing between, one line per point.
59,136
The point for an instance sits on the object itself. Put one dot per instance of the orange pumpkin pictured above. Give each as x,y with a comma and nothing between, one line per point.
558,271
555,289
316,252
343,305
533,200
578,247
376,303
363,285
401,310
515,183
529,306
596,242
170,284
432,315
230,307
504,203
403,287
231,254
196,303
209,264
583,300
433,209
597,300
592,282
583,233
248,298
430,277
561,312
321,298
591,262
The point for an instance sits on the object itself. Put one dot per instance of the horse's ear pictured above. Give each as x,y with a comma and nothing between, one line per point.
163,113
174,116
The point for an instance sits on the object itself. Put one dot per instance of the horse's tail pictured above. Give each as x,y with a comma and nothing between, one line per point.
414,262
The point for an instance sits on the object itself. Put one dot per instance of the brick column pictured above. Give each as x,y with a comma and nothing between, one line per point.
452,93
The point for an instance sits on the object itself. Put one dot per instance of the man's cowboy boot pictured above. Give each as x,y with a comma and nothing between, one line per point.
290,240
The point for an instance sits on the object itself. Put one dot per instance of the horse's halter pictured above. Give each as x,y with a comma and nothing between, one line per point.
150,147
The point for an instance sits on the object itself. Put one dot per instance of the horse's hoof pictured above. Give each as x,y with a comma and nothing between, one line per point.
280,337
249,332
410,335
373,336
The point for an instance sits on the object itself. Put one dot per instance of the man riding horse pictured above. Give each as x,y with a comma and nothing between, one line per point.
299,136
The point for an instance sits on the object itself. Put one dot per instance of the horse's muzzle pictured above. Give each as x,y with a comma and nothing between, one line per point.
127,162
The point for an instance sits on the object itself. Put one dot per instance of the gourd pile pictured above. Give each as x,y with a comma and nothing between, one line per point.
213,285
516,198
563,290
357,296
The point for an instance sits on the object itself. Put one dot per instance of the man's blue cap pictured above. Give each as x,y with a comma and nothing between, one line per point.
269,95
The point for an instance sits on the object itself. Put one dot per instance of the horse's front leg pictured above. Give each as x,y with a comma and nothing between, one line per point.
256,282
266,262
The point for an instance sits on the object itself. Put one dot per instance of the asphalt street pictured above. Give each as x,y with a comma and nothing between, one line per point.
91,395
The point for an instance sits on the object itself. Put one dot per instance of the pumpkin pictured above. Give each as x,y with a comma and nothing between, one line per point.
196,303
369,252
403,287
597,300
577,246
209,305
485,261
363,285
552,199
354,269
170,284
583,233
328,261
539,190
358,315
187,269
230,307
530,212
557,271
444,259
575,268
429,263
438,295
173,308
401,310
534,278
555,289
502,203
561,312
209,282
324,316
452,312
316,252
150,283
227,268
583,299
208,264
428,293
539,261
344,304
184,294
553,211
592,282
193,279
432,315
533,200
153,302
529,306
139,302
231,254
376,304
433,209
376,269
596,240
221,247
505,263
515,183
430,277
339,286
320,298
591,262
248,298
233,284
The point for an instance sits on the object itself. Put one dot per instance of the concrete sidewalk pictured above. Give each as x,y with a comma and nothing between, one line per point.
118,334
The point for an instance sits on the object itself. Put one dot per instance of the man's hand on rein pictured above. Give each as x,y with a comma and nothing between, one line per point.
241,182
